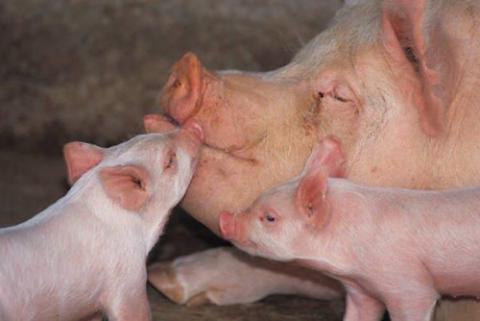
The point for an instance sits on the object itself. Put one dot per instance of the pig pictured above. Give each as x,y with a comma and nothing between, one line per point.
85,255
390,247
395,81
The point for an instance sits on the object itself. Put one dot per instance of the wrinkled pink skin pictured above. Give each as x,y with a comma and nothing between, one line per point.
395,82
84,256
395,248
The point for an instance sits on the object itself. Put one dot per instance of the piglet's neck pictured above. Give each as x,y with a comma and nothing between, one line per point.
334,241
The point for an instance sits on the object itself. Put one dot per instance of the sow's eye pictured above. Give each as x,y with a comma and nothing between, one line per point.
170,161
334,95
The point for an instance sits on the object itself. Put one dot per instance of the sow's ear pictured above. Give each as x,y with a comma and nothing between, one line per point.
79,158
126,185
420,52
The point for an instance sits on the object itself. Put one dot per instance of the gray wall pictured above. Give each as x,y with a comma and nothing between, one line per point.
90,69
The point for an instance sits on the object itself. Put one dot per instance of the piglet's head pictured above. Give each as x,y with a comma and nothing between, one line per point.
283,221
147,174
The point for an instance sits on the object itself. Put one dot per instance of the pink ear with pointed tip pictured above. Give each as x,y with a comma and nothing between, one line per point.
126,185
326,160
311,198
422,51
80,158
328,154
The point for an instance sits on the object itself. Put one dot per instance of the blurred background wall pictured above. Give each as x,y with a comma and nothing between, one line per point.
90,69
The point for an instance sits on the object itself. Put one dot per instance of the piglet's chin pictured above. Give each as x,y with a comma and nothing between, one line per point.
255,250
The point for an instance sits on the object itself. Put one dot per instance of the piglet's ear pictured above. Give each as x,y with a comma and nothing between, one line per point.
311,201
328,155
326,160
81,157
126,185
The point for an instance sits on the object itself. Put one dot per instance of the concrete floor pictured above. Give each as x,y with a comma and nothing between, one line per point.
281,308
30,182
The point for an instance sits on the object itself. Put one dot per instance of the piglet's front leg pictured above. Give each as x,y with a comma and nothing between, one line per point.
362,307
130,305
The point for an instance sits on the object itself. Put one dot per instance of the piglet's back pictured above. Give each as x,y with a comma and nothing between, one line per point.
44,260
441,229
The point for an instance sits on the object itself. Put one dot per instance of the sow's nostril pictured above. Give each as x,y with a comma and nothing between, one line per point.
171,120
183,89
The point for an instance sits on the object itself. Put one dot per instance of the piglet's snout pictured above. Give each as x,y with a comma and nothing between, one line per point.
190,137
227,225
235,229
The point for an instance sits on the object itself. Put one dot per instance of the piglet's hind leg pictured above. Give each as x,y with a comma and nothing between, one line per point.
413,306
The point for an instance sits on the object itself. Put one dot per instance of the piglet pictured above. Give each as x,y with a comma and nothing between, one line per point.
84,256
391,248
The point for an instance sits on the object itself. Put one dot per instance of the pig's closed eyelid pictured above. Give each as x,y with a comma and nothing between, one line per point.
340,99
334,95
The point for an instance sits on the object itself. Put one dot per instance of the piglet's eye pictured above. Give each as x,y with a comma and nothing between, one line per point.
171,160
269,217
